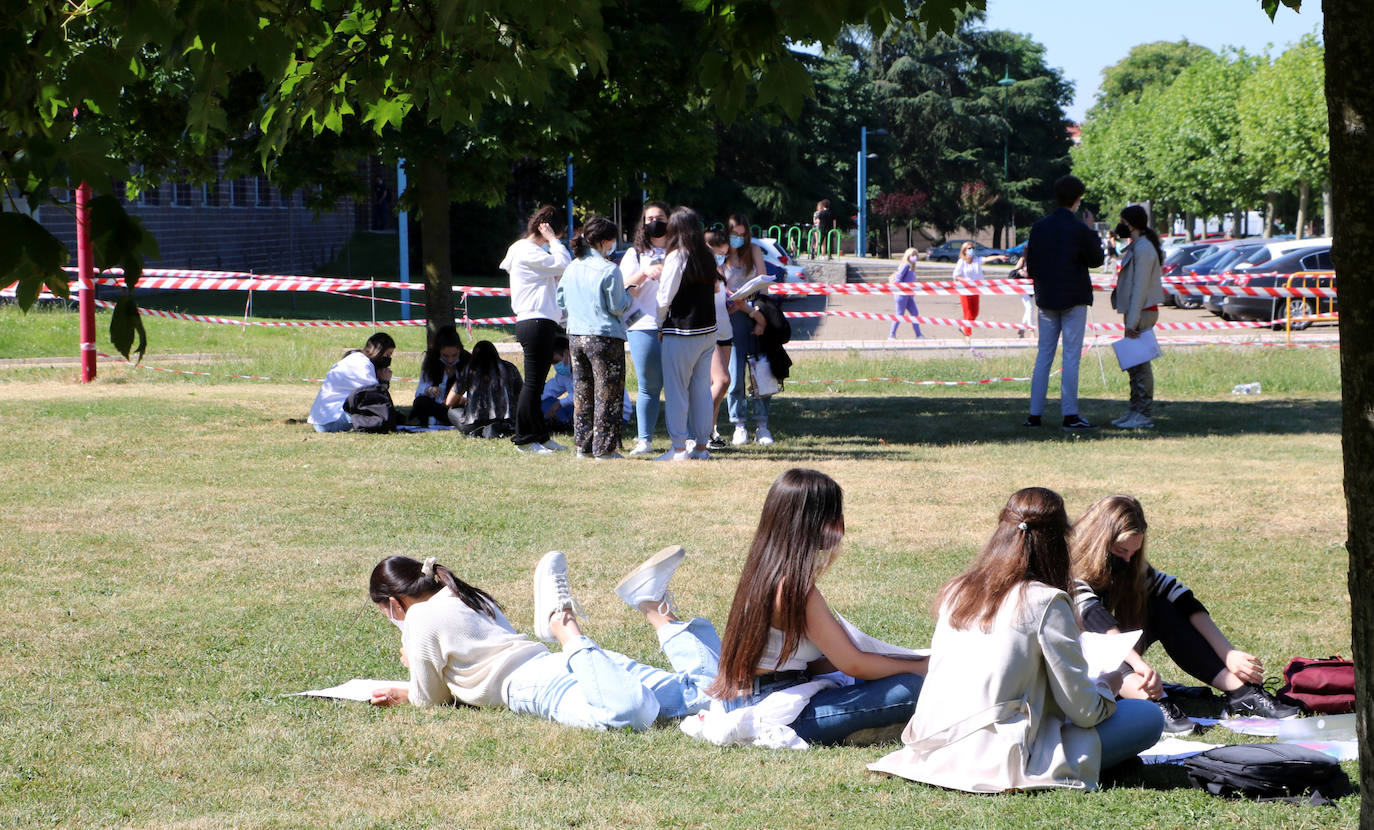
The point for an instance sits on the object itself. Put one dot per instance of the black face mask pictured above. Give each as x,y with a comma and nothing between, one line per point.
381,363
656,229
1117,565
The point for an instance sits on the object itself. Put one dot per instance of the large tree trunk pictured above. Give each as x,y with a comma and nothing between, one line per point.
1189,225
1304,197
434,200
1270,214
1348,30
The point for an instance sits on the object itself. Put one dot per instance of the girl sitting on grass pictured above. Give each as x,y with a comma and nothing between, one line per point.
459,647
1116,588
1008,704
781,632
358,368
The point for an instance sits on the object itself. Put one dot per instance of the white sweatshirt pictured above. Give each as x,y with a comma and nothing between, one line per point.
534,275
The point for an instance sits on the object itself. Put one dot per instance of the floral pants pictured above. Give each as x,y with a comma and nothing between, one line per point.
598,369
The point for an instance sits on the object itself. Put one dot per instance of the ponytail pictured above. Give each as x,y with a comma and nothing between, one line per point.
401,576
1136,217
595,231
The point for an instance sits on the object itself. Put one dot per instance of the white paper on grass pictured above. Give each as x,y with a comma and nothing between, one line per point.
1171,749
1106,652
1337,750
356,689
1133,351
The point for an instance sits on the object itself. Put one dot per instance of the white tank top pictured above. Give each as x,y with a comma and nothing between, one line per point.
806,652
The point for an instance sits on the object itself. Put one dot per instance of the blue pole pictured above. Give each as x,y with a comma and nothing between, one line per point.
862,243
403,238
570,199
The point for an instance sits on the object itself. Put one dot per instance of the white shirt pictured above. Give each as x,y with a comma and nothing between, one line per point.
806,652
644,310
354,371
723,330
972,270
534,275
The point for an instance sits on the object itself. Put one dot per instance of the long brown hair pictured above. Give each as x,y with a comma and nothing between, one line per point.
1028,546
1106,522
686,235
801,525
744,254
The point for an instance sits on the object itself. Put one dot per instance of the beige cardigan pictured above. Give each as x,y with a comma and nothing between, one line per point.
1008,709
1139,283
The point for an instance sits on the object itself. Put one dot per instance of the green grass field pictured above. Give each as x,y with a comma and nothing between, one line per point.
177,556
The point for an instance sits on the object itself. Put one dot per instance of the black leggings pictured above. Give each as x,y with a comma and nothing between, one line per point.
1184,644
426,407
536,338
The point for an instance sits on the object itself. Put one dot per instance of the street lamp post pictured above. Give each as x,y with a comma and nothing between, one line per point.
1005,83
862,241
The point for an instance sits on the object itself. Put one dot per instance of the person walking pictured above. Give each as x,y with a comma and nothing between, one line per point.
969,268
1059,253
906,303
1139,293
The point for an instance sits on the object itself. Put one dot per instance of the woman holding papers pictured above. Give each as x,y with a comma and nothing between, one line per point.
1116,589
1008,703
743,262
460,647
1139,292
782,635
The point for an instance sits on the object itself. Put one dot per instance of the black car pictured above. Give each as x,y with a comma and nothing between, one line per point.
1279,272
949,251
1176,265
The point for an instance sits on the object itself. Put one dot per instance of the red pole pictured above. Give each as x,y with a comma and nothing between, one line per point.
86,294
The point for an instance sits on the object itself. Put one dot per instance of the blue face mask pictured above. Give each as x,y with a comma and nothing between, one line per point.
562,369
545,247
736,242
448,362
720,259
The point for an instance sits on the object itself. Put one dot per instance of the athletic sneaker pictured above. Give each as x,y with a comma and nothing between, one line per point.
674,455
1031,421
1137,420
534,448
741,436
649,581
641,448
553,445
608,456
1125,416
1252,701
717,441
700,454
1175,722
552,594
1077,423
763,436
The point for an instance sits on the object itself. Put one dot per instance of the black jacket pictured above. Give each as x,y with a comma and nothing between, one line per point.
776,332
1059,253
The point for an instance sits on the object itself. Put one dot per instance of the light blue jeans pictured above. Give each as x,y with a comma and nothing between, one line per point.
687,387
647,357
1134,727
587,687
1070,322
835,714
344,424
737,401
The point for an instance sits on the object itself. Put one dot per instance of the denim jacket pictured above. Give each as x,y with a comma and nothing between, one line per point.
593,293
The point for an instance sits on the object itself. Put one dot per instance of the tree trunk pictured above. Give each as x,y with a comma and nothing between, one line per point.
1304,196
1326,211
434,199
1270,212
1189,221
1348,30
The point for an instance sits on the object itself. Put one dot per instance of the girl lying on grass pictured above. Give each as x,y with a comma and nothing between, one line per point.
1008,704
1116,588
782,634
460,647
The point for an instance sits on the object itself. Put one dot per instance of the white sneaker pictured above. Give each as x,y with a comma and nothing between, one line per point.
741,435
534,448
674,455
553,445
552,594
641,448
649,581
1137,420
700,454
763,436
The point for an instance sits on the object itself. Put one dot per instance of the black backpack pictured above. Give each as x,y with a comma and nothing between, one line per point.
371,410
1268,772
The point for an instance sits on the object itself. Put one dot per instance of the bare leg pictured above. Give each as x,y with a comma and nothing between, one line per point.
657,614
564,625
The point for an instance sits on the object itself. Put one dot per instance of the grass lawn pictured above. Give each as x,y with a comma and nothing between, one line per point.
177,555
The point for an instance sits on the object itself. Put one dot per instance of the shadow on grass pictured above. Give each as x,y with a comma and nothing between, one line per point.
857,422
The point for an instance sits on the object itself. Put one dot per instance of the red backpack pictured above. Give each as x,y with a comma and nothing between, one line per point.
1324,685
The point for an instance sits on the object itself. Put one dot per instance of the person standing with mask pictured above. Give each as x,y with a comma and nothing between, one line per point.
743,262
642,265
535,262
1139,293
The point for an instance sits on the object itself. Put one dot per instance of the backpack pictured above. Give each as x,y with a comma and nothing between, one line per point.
1325,685
1268,772
370,408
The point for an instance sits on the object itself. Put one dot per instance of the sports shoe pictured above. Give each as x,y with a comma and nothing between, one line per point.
533,448
699,454
741,436
1137,420
552,594
1175,722
1077,423
1123,417
674,455
608,456
1252,701
641,448
763,436
1031,421
717,441
649,581
553,445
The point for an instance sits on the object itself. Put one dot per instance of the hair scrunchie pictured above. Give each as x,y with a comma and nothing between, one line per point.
1021,526
428,568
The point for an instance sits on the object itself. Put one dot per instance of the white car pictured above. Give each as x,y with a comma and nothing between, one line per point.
777,263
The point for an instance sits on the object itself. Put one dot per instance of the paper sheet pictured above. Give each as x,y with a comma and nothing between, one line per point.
752,287
1106,652
1133,351
1338,750
358,688
1171,749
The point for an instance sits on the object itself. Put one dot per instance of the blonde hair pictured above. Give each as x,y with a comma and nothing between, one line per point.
1109,521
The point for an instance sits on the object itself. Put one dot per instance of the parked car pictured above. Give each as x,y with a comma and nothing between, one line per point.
1177,260
1211,261
1250,255
949,251
1278,273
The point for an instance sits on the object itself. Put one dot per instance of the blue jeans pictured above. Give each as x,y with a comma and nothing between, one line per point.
647,357
835,714
1133,728
588,687
687,387
737,401
344,424
1070,322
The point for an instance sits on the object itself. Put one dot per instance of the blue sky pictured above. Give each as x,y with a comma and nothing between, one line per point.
1081,37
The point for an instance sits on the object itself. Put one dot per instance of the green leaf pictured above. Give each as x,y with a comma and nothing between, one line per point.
125,325
118,239
32,256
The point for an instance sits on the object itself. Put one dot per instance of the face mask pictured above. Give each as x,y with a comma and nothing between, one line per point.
448,362
1117,565
381,362
720,259
562,369
736,242
401,624
545,247
656,229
